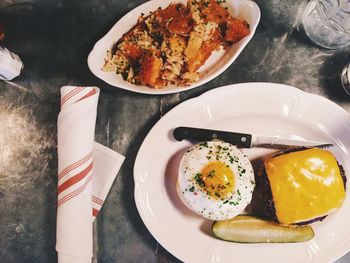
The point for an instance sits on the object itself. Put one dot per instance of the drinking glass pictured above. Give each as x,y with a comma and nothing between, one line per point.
327,23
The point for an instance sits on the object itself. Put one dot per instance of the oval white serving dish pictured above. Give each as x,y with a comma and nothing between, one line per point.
217,63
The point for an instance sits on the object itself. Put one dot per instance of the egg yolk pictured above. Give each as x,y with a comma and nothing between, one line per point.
216,179
305,184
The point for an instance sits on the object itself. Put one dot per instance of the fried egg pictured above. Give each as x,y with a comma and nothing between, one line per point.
216,180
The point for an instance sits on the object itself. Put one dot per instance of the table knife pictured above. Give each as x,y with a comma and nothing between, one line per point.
243,140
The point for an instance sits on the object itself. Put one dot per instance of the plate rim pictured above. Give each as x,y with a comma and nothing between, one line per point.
338,252
167,90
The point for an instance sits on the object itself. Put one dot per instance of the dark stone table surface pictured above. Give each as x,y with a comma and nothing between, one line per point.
53,39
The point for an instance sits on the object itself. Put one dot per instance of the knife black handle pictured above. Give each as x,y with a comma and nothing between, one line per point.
242,140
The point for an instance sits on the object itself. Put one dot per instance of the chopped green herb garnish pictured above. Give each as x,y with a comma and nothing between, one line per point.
199,180
211,174
204,144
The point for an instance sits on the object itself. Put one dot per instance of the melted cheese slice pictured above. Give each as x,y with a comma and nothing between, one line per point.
305,184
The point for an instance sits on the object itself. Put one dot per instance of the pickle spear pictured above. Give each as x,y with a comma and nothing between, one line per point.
249,229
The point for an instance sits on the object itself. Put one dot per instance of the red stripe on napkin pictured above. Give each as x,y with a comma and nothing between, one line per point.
74,165
74,193
92,92
95,212
71,94
73,180
97,200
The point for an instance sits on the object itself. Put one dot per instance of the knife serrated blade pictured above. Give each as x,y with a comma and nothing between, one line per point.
243,140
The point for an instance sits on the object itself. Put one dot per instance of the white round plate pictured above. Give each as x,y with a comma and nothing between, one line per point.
259,108
215,65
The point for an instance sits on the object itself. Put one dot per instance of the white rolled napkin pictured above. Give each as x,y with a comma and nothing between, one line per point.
86,171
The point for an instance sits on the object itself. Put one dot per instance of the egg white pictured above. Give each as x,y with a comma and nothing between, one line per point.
197,199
